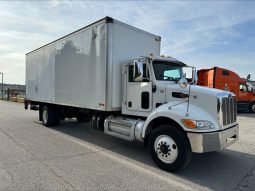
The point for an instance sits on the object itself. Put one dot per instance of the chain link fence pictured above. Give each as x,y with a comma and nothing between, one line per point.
13,92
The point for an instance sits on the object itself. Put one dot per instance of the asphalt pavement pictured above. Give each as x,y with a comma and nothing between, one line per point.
73,156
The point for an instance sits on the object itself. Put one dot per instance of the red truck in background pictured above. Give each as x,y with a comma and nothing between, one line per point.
224,79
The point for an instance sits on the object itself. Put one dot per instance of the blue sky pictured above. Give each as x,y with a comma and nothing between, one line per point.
200,33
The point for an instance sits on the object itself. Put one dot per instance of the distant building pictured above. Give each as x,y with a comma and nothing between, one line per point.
13,86
12,90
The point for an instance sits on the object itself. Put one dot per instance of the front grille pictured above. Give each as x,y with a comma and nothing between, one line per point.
228,110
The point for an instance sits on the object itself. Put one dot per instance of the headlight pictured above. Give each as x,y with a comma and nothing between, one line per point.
198,124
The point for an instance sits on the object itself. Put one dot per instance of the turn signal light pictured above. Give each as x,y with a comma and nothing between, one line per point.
189,123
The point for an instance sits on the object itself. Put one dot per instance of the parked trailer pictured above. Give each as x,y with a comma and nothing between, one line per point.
109,73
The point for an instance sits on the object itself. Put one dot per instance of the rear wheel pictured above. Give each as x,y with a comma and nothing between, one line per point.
169,148
252,107
47,116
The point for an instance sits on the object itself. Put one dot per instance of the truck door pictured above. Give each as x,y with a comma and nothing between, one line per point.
244,94
139,88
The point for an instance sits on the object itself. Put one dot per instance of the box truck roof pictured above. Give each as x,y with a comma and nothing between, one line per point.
103,20
169,59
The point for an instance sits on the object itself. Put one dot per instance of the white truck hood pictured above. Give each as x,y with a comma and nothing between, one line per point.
202,97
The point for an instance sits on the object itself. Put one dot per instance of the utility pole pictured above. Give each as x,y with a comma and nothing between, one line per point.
2,85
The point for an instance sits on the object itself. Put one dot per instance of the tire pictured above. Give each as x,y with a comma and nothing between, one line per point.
48,116
252,107
169,148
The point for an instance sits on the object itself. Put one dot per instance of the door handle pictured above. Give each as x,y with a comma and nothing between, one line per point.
154,88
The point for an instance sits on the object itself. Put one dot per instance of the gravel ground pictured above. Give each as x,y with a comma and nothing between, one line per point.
74,156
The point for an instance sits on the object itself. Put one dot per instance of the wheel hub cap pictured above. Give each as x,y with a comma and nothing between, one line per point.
166,149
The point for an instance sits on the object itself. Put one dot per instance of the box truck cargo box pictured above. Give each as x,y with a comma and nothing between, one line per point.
83,69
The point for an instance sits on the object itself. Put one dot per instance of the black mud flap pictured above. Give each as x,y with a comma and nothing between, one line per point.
26,103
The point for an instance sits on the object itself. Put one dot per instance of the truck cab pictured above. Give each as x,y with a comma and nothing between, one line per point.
224,79
170,114
149,80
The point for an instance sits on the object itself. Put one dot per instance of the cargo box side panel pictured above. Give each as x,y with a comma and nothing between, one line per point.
40,75
128,43
80,69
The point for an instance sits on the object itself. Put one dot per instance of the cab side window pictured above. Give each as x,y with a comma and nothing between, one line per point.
225,73
243,88
130,73
146,74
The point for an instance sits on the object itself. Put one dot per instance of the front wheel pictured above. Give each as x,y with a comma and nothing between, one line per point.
169,148
252,107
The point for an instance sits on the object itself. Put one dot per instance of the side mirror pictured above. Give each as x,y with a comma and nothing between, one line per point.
190,73
138,71
248,77
194,75
183,82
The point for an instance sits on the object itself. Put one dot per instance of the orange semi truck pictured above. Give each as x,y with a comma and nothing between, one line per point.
224,79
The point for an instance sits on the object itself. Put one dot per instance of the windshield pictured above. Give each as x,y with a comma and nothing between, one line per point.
167,71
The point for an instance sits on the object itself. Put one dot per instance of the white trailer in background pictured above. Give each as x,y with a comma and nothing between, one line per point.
109,73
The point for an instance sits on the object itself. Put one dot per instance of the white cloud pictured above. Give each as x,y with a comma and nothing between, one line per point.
185,27
241,64
54,3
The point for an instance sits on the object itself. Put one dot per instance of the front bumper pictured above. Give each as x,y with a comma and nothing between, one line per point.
214,141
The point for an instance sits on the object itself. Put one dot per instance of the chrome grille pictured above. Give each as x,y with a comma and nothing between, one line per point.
228,110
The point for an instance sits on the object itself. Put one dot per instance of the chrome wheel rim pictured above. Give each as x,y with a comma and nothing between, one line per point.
45,116
166,149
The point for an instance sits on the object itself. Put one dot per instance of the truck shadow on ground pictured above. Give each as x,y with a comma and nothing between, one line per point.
217,171
245,114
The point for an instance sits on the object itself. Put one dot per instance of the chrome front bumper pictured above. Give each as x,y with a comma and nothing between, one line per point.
214,141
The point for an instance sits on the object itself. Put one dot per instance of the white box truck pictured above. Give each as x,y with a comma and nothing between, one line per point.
110,73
